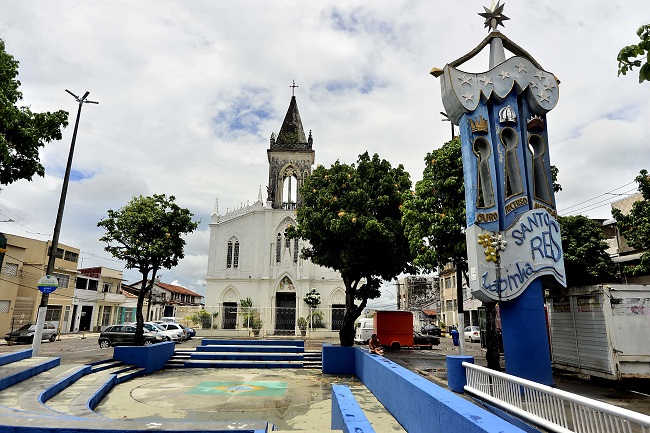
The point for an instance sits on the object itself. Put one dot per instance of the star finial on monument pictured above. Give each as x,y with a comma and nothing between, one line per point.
494,16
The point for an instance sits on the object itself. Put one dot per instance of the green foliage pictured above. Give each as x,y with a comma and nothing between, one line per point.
289,137
351,218
147,235
636,56
203,318
434,215
316,320
586,260
22,132
635,226
302,323
246,305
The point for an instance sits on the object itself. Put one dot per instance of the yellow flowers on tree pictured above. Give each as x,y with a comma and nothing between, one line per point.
352,220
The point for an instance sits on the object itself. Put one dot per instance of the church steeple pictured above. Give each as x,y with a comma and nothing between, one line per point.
292,134
290,157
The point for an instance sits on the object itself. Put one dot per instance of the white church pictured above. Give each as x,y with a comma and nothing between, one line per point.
250,256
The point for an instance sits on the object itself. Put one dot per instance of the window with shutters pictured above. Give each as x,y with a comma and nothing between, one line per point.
10,269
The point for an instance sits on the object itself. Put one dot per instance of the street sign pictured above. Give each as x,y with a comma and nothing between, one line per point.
48,284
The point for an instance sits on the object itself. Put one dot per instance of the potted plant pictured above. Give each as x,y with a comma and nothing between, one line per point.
302,325
256,324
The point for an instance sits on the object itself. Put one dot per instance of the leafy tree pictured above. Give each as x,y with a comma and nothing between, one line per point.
635,226
435,222
22,132
627,57
586,260
147,235
351,218
434,215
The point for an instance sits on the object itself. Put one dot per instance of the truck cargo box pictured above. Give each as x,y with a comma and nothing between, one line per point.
602,331
394,328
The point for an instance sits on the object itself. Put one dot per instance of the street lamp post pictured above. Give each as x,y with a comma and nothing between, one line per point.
57,226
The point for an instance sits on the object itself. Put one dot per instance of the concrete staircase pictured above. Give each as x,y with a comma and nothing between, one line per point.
246,354
40,394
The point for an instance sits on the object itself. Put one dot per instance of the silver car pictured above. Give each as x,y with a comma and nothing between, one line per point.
25,334
176,328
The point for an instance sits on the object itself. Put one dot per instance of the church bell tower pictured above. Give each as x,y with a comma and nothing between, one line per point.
290,157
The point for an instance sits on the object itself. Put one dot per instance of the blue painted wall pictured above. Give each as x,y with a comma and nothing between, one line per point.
151,358
338,359
346,412
419,405
8,358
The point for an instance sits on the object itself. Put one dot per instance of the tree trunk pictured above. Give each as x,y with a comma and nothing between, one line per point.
491,337
139,327
352,312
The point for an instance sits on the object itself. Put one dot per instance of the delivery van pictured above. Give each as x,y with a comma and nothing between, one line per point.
363,331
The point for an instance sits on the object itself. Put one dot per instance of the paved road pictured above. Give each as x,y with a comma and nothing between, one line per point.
633,395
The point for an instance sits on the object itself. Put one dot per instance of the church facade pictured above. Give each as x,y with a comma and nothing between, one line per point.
252,260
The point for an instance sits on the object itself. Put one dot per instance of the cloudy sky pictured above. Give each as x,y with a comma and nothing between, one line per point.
190,92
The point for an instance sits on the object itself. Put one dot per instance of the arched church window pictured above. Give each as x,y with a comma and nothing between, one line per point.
232,254
287,241
295,250
235,255
278,248
229,255
289,189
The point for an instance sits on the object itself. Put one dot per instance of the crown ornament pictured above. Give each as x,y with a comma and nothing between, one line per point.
535,123
479,125
507,115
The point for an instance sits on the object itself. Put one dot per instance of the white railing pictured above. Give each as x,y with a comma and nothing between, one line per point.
550,408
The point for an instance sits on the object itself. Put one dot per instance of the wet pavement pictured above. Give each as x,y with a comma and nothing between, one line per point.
305,403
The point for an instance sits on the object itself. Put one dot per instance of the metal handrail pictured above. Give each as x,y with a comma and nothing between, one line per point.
550,408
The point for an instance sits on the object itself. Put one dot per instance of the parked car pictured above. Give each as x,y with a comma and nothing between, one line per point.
431,330
25,334
155,329
472,334
174,327
118,335
419,338
190,331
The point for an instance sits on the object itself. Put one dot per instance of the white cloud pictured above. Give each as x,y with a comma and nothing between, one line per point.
190,92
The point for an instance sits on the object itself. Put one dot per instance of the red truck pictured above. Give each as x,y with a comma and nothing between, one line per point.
395,330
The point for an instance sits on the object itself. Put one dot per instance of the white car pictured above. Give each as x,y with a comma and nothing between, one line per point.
176,328
154,328
472,334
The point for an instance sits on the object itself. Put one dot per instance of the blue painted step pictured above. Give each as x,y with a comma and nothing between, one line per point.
248,356
241,364
297,343
248,348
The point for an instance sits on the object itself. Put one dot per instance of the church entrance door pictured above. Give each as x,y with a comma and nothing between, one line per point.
229,315
285,313
338,311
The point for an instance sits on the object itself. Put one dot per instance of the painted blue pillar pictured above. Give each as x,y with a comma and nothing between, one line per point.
456,376
525,336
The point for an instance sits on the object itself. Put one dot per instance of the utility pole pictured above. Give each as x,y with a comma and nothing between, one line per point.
57,226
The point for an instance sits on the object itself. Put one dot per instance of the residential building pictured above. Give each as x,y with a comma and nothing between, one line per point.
250,255
417,293
99,300
24,263
623,254
166,300
448,313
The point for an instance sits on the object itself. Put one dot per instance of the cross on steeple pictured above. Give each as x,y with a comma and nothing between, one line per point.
293,88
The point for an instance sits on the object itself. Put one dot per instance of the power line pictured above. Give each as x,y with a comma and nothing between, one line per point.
598,204
594,198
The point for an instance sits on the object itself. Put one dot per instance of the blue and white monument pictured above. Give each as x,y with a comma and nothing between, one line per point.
513,238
